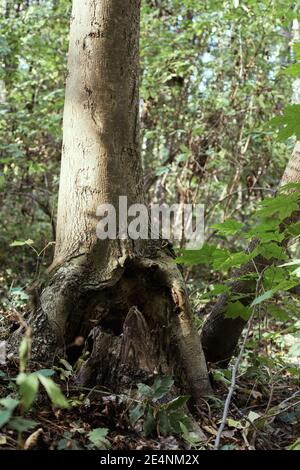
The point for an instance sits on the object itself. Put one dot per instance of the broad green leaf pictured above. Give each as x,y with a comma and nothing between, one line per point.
45,372
149,422
66,364
29,385
278,313
5,416
9,403
21,424
293,70
54,392
237,309
270,250
136,413
177,403
145,390
288,123
161,386
229,227
261,298
284,205
164,425
193,257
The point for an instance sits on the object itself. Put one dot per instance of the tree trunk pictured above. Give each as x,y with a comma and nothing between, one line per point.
127,297
220,335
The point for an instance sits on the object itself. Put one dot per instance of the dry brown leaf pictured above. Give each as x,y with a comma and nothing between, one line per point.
32,439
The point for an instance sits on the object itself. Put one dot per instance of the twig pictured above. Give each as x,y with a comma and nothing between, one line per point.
236,367
232,385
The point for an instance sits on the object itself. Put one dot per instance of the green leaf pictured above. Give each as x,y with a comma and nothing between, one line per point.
9,403
66,364
229,227
24,352
293,70
21,424
22,242
278,313
98,438
161,386
261,298
54,392
136,413
218,289
237,309
29,385
149,422
177,403
5,416
288,123
145,390
45,372
232,423
270,250
164,425
283,204
194,257
282,286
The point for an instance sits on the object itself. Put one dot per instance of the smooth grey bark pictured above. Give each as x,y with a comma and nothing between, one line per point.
127,297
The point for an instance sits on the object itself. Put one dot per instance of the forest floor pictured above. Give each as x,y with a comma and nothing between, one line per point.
264,412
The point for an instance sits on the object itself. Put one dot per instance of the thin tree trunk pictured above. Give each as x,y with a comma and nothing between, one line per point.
127,297
220,335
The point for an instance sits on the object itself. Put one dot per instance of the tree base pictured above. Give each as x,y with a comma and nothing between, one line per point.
137,324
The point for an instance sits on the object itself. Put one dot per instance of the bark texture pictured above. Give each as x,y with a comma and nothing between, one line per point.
127,297
220,335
